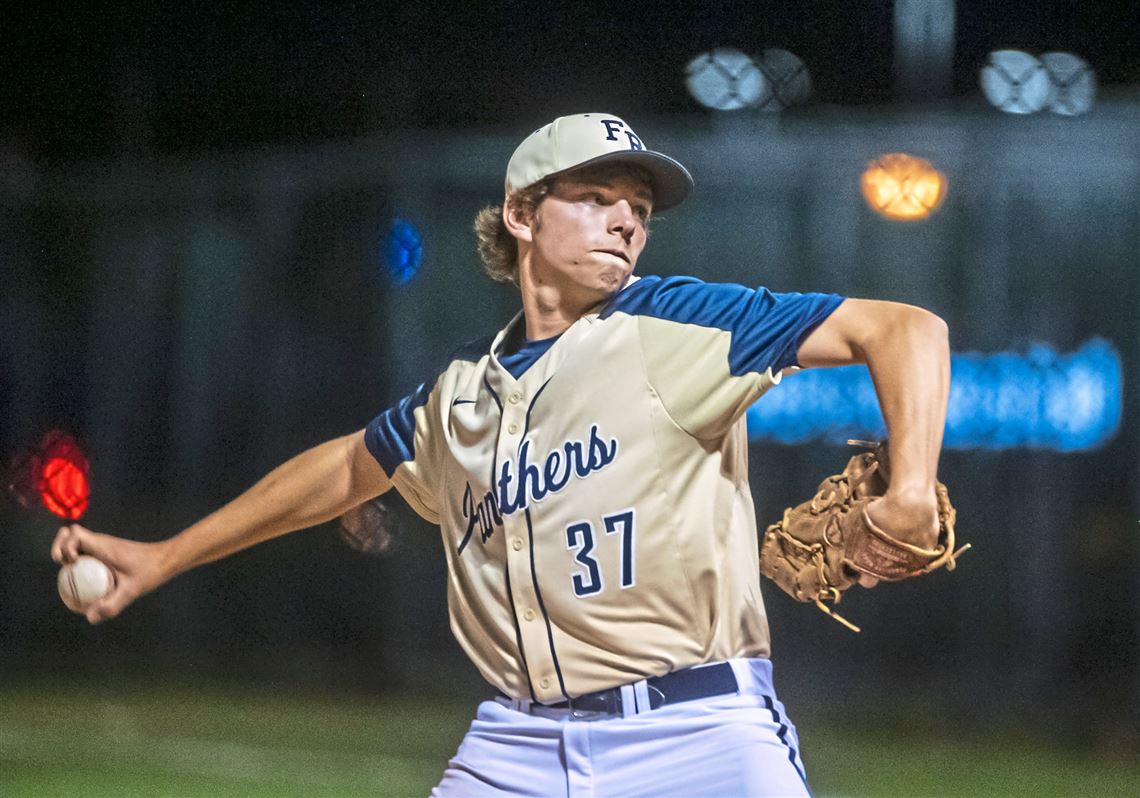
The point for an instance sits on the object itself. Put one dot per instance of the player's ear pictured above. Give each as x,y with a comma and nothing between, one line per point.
518,220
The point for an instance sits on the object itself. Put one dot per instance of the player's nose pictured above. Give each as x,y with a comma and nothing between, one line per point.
623,219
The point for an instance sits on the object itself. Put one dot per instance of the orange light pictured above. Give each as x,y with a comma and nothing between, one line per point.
903,187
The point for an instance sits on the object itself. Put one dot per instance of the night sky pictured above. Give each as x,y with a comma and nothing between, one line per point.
102,79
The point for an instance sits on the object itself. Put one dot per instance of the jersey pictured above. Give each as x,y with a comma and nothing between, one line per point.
596,512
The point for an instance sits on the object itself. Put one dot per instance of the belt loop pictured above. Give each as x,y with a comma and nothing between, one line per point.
629,700
641,693
754,676
742,670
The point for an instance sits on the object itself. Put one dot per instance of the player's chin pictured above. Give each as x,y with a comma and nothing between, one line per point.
612,279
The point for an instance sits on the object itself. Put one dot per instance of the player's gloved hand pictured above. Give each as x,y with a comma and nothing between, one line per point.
856,530
138,567
910,515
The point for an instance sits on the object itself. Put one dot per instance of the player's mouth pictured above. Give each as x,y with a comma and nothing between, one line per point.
617,253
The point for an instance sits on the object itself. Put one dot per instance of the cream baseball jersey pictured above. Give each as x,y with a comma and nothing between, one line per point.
595,508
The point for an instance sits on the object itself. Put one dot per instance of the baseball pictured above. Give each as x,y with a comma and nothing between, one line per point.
83,582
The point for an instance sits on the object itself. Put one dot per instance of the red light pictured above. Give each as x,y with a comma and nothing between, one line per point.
61,476
55,473
64,488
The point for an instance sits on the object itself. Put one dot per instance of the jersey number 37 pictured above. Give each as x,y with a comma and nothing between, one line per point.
580,538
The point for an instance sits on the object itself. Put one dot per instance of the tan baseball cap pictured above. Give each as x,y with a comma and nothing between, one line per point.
570,142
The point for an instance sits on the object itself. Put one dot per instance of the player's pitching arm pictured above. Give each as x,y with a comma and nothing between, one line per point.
907,351
311,488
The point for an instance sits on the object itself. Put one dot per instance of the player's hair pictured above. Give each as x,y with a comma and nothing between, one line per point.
498,249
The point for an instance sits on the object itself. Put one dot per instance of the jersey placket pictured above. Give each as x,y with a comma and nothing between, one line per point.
520,552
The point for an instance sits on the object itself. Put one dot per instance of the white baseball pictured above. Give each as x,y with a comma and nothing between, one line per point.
84,581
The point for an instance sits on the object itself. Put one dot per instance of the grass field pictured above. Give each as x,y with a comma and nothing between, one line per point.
183,742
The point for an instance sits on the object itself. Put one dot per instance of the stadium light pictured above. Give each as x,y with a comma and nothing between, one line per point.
1015,82
725,79
1073,83
787,79
903,187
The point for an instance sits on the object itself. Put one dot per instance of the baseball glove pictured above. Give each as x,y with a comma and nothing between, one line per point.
820,548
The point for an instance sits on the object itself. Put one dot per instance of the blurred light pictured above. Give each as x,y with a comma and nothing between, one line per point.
65,489
1073,83
403,251
903,187
923,48
56,473
1038,400
725,79
787,81
1015,82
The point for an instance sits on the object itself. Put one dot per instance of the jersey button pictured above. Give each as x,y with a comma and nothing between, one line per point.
514,398
516,544
544,683
513,428
529,615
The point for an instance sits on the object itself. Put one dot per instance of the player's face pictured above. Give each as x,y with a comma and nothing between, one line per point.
588,233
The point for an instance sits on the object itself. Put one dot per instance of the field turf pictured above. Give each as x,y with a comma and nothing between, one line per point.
215,742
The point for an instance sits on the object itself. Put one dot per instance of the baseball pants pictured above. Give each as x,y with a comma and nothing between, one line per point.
729,745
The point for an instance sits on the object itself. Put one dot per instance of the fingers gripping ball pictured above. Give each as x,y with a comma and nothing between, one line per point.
84,582
820,548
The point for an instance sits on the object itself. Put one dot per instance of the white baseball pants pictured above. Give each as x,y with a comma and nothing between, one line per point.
729,745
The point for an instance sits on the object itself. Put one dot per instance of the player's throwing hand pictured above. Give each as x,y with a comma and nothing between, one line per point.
136,566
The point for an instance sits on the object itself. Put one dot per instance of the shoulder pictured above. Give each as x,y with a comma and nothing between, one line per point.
687,300
459,364
470,352
391,436
462,360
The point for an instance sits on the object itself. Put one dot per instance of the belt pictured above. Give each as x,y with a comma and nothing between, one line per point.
672,688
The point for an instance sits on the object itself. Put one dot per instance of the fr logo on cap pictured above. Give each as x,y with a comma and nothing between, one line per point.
570,142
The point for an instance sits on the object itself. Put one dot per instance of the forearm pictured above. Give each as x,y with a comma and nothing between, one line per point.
907,351
311,488
909,361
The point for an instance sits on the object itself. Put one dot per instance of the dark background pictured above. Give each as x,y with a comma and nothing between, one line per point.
86,80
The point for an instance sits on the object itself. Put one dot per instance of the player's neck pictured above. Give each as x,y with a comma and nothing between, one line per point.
551,306
547,311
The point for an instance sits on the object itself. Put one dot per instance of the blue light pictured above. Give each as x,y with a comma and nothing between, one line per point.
1037,400
403,250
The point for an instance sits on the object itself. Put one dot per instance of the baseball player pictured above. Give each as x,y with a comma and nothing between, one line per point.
587,466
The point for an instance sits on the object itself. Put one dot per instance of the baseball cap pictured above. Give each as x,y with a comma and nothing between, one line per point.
570,142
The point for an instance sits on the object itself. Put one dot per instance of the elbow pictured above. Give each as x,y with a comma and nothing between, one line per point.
906,325
927,334
930,326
